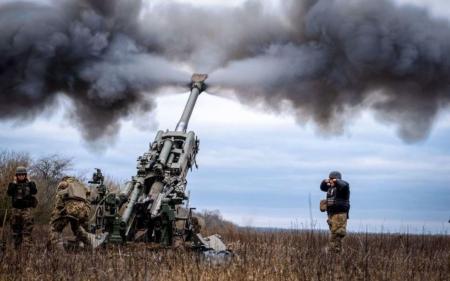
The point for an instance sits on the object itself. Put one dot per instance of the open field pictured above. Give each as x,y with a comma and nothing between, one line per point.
286,255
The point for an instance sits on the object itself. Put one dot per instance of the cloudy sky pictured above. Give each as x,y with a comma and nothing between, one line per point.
262,169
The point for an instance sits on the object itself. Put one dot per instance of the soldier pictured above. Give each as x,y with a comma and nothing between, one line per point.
337,207
71,207
22,192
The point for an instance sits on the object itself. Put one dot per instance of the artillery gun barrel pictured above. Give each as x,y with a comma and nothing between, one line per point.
150,208
197,86
155,193
134,194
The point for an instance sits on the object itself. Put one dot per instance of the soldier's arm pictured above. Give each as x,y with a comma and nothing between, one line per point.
324,186
59,199
33,189
59,202
11,187
342,185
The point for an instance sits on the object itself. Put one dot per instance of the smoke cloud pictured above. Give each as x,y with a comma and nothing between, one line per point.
352,55
86,50
328,59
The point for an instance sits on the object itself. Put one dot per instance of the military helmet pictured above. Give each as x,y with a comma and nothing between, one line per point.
335,175
21,170
67,178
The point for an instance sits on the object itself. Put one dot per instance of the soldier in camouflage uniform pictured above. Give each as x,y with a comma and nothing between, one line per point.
337,206
22,192
71,207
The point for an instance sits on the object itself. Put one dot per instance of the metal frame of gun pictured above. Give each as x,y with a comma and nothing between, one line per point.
152,209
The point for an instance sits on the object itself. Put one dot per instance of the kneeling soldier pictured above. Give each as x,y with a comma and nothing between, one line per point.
22,192
337,207
71,207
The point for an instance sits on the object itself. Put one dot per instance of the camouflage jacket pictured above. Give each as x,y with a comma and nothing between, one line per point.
63,197
72,189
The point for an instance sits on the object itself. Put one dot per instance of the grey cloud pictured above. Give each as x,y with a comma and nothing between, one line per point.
325,57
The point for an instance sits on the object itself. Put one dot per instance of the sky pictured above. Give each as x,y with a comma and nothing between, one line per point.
262,169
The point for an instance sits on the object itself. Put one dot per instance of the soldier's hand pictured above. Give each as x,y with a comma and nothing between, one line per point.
330,182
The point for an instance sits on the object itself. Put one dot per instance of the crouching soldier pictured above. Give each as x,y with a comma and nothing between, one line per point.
71,207
22,192
337,207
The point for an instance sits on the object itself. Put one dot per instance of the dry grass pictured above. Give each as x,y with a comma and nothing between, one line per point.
287,255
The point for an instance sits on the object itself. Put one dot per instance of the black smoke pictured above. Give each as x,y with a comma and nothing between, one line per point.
327,59
86,50
352,55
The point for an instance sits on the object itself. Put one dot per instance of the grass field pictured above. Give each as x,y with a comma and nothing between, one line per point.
281,255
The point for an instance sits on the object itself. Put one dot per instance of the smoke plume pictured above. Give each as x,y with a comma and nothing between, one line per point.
86,50
352,55
328,59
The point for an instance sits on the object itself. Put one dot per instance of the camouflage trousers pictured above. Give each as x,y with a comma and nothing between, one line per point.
22,223
75,213
338,228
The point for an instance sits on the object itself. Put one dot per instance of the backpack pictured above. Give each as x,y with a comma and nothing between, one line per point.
323,205
75,190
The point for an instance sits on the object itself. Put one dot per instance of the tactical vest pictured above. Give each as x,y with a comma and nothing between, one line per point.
336,202
22,191
22,197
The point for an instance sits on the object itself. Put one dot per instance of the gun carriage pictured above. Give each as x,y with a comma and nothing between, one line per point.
154,205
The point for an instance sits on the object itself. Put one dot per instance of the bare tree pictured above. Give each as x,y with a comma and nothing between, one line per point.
47,172
214,222
9,160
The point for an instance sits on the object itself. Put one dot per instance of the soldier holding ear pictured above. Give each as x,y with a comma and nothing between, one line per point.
337,207
22,192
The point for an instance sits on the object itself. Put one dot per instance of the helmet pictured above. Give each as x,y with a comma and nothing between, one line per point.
335,175
67,178
21,170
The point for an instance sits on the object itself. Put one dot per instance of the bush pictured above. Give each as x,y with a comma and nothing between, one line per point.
213,222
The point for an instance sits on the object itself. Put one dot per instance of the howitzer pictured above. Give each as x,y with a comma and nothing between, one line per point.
151,207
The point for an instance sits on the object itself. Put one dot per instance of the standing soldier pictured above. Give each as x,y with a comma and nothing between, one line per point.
22,192
337,207
71,207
